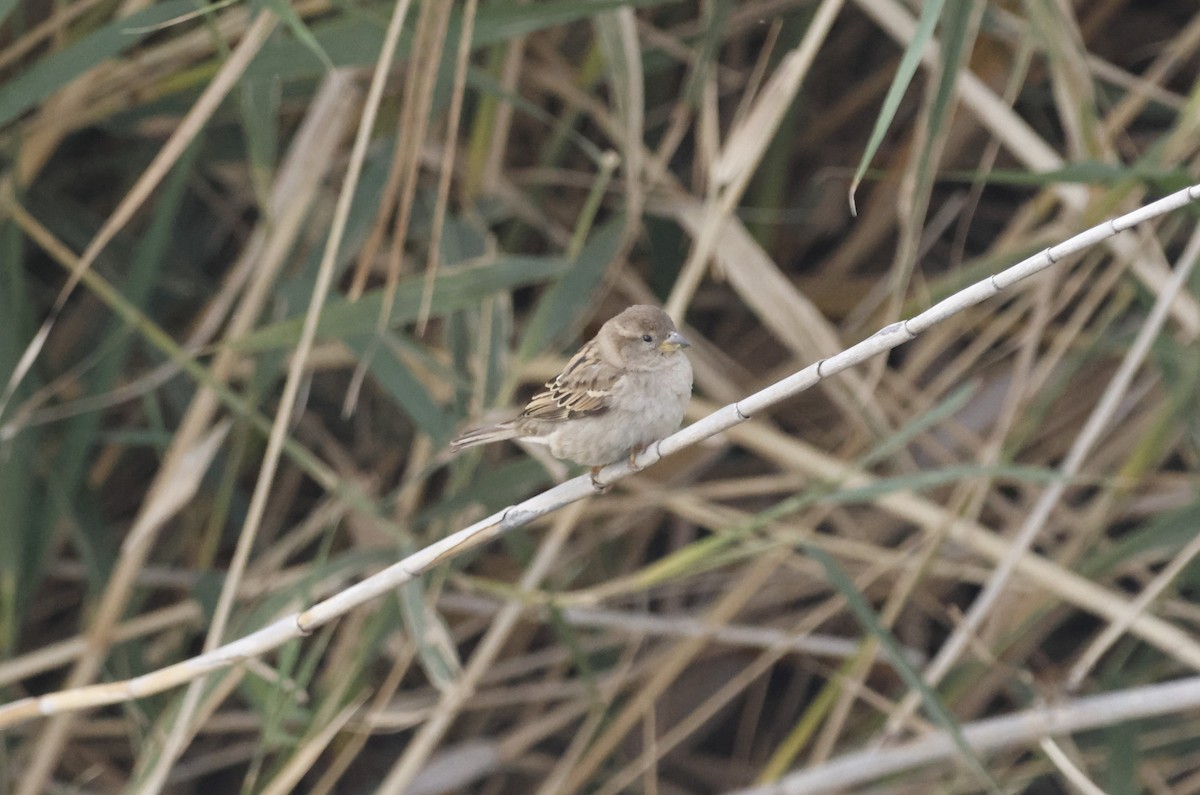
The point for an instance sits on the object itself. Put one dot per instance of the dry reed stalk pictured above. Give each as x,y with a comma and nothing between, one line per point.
991,735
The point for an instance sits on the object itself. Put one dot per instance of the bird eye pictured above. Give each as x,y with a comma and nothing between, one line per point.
647,338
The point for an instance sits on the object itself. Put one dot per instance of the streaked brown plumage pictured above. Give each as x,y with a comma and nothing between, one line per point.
625,389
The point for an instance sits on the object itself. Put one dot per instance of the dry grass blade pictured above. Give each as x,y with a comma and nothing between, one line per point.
174,488
402,774
217,90
337,97
423,69
447,167
735,166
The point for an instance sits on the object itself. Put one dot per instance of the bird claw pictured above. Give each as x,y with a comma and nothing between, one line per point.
596,484
633,454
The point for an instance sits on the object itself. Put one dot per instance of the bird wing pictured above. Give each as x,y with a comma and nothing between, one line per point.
584,388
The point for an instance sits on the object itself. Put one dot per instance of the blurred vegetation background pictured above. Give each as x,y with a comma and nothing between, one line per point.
181,181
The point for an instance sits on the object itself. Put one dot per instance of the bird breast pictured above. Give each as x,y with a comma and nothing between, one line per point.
645,407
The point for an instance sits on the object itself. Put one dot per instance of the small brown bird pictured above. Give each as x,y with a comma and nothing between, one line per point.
625,389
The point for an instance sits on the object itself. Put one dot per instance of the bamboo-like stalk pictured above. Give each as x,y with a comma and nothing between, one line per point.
304,622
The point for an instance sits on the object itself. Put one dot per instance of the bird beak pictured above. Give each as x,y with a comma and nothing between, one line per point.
674,342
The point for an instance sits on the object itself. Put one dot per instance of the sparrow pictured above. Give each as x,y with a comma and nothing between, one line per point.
625,389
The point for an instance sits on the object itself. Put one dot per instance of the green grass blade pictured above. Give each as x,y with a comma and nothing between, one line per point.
870,622
43,78
957,40
930,12
456,288
301,31
393,375
357,40
564,305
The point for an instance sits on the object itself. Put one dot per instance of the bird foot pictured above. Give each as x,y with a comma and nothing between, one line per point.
633,454
637,450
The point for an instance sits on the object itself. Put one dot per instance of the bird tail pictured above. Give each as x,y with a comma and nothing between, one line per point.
484,435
